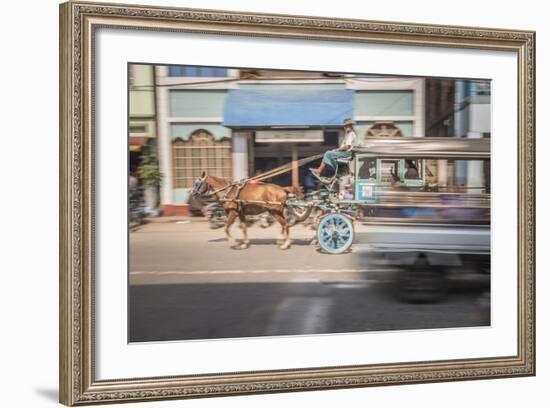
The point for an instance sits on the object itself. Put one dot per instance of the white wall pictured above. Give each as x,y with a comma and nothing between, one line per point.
28,303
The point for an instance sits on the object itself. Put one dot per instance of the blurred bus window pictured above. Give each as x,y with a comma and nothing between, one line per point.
389,171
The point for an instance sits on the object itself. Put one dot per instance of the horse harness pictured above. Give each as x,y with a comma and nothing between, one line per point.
240,186
229,188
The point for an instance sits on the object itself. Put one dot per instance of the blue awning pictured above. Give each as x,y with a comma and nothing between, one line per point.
245,108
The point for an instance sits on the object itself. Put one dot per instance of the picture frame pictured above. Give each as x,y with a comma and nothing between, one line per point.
79,22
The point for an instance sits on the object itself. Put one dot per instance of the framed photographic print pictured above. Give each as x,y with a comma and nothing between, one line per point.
256,203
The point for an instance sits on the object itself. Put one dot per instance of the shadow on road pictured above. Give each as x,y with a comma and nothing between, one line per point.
267,241
210,311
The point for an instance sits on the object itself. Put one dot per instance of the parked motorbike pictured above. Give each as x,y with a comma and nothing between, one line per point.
136,209
215,214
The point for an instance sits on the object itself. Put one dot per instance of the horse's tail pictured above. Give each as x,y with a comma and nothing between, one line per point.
296,191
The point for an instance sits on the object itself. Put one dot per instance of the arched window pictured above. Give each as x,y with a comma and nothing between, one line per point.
384,129
200,153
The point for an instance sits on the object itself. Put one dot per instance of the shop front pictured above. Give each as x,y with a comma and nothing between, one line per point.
271,128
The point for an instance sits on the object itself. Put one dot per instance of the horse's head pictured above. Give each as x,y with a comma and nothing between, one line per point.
201,185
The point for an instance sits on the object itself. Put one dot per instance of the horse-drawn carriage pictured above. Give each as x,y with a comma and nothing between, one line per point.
385,179
394,179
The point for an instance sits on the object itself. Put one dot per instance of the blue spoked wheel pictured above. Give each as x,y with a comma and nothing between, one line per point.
335,233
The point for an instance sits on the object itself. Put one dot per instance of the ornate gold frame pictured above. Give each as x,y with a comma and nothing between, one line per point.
77,24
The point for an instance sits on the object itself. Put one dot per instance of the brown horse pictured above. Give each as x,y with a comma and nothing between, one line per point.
247,199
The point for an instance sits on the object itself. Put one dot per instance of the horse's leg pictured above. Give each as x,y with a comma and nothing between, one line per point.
284,224
281,238
231,217
246,241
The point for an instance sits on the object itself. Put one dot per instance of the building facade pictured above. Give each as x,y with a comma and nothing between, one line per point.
460,108
192,139
142,112
237,123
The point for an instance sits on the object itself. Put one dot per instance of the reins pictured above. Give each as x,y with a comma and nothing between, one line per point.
268,174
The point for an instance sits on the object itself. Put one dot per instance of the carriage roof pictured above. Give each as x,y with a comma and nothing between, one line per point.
425,148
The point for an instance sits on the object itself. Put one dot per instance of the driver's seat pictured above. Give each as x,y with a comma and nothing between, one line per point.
343,166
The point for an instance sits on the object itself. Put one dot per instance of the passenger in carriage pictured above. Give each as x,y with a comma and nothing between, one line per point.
411,172
344,151
367,171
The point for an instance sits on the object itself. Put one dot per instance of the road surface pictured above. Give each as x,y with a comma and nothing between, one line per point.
187,283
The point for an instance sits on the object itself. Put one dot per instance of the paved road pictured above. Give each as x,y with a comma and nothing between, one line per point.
186,283
192,246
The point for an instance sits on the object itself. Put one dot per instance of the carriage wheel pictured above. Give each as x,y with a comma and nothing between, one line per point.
335,233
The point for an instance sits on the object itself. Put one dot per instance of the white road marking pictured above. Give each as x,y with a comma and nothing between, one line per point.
260,271
310,315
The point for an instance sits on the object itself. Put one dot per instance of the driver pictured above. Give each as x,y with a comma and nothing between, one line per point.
344,151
